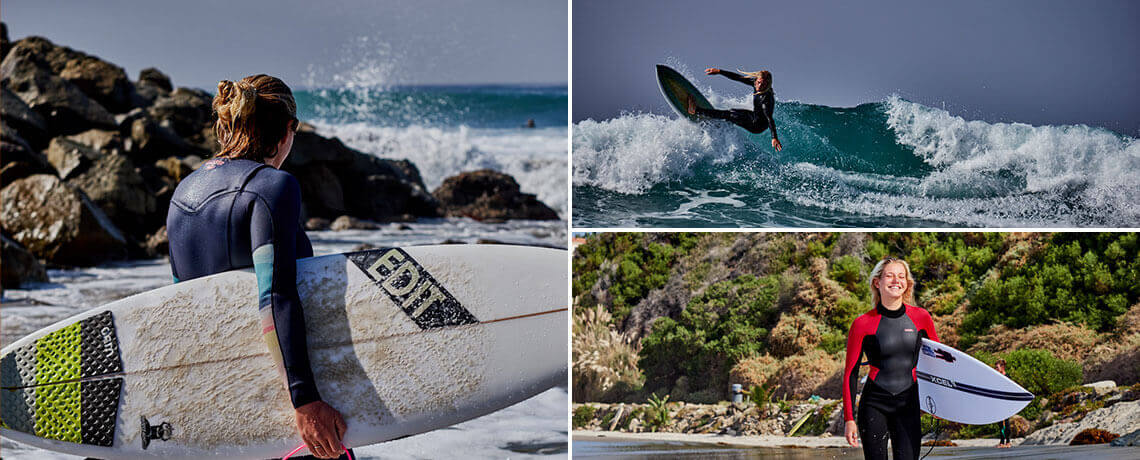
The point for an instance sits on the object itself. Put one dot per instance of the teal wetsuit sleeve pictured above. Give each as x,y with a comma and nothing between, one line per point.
275,233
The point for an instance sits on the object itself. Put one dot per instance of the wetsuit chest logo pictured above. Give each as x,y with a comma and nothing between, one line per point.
412,288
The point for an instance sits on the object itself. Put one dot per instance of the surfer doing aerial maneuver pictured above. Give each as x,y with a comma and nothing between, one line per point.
763,103
240,210
890,336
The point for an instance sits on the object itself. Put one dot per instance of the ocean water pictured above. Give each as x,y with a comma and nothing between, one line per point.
892,163
446,130
535,428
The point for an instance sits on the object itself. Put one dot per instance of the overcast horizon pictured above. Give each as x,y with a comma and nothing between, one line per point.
1028,61
349,43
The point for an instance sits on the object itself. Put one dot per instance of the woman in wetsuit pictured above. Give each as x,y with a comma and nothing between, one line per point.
240,210
889,336
763,103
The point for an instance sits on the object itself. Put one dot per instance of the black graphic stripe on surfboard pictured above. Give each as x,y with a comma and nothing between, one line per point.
966,388
411,287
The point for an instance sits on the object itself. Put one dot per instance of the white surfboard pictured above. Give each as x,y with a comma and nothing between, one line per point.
402,341
954,386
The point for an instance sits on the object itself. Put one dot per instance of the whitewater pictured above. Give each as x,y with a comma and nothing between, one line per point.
891,163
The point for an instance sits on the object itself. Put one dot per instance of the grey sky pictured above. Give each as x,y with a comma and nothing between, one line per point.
198,43
1039,62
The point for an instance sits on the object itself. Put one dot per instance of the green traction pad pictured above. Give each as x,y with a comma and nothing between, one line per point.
41,389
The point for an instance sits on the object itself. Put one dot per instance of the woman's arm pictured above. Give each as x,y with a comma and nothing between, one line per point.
274,229
738,77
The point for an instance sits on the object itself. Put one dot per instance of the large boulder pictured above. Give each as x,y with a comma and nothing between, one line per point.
19,266
488,194
62,104
17,158
58,223
189,114
27,123
100,80
151,141
337,180
69,157
116,187
152,84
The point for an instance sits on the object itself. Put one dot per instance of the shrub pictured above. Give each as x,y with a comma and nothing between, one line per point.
583,414
1040,372
723,325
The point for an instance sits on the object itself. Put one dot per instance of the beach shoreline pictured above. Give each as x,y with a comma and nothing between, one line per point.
817,442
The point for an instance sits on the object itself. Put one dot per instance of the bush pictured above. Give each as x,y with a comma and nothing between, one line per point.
725,324
1040,372
583,414
1079,278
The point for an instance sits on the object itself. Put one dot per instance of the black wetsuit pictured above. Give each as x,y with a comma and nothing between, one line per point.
889,406
232,214
756,120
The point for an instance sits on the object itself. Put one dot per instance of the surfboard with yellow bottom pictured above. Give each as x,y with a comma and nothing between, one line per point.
402,341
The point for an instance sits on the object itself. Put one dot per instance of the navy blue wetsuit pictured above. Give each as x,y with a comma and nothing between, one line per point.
232,214
756,120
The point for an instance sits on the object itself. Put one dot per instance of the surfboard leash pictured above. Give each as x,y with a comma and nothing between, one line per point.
302,446
937,429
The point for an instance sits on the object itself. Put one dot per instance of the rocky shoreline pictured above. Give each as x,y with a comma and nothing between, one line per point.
1077,416
90,160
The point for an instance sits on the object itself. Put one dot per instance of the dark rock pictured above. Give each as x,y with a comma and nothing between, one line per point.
19,266
69,157
488,194
100,80
364,247
188,113
25,121
105,83
178,168
4,42
154,77
381,190
152,85
58,223
104,141
150,141
113,184
64,107
317,224
352,223
18,159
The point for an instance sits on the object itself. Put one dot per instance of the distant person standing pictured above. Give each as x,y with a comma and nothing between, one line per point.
1003,443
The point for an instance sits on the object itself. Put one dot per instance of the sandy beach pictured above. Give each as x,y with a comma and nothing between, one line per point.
749,441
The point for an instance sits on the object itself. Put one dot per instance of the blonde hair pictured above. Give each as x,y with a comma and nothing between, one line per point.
758,74
908,294
253,116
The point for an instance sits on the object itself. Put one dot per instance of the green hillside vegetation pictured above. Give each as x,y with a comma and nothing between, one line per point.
772,310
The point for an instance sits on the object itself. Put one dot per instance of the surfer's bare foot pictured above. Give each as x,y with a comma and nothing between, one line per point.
691,105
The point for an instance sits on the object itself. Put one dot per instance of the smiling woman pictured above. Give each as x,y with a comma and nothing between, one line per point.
890,336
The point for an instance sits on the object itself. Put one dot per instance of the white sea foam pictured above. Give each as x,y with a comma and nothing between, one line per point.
536,158
1097,167
634,152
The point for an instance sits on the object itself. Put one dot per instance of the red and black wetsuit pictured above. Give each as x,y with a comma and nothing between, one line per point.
756,120
890,339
